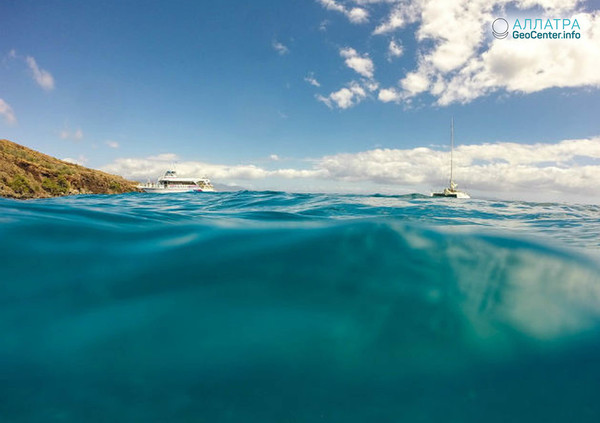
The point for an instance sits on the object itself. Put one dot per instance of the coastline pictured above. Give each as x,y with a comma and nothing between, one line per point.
29,174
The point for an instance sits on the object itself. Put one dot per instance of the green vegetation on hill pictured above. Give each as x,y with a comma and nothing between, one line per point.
25,173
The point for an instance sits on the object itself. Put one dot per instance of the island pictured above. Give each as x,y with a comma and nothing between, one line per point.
26,173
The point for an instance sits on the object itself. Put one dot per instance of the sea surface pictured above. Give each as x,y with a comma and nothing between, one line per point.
277,307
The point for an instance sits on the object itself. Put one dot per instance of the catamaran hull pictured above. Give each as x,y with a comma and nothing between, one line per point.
171,190
451,195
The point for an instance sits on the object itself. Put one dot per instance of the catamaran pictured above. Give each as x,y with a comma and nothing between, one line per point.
451,191
171,183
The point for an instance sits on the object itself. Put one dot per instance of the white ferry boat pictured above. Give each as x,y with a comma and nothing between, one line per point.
171,183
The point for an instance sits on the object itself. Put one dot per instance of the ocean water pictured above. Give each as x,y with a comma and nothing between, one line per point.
277,307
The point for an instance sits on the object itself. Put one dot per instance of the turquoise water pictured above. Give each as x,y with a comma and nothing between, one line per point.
276,307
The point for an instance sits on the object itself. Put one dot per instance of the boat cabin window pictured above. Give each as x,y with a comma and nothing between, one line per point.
180,183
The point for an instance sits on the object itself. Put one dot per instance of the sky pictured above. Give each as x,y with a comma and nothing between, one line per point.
311,95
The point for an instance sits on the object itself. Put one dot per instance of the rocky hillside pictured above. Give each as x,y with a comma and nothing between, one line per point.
25,173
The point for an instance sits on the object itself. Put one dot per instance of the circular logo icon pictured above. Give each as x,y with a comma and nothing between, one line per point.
500,28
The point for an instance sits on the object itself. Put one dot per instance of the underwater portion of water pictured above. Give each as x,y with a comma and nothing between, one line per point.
277,307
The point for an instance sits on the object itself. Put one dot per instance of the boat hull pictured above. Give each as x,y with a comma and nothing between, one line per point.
451,194
171,190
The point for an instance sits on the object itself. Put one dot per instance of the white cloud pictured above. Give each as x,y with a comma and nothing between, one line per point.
7,112
310,78
458,60
356,15
360,64
415,83
345,97
354,92
388,94
41,76
370,84
68,134
154,166
274,157
563,167
332,5
81,160
280,48
395,49
365,2
112,144
569,167
401,15
528,66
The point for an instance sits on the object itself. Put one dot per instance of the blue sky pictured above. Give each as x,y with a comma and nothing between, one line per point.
226,84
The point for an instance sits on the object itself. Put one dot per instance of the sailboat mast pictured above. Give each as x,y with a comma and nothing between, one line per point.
451,147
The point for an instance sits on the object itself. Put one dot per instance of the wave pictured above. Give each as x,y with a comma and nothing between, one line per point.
281,307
